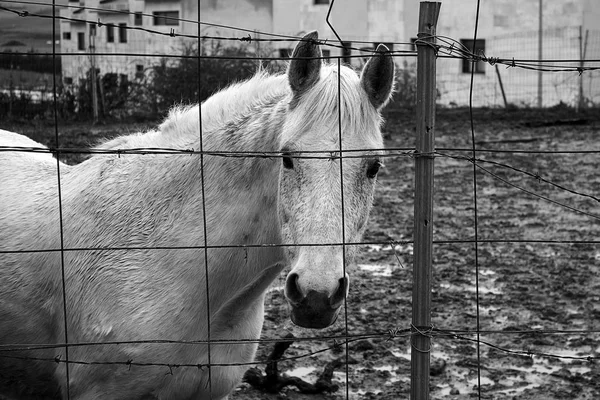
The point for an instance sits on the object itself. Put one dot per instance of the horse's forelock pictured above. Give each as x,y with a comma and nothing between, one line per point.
317,109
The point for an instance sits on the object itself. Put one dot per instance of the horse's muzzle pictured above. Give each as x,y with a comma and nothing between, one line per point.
316,310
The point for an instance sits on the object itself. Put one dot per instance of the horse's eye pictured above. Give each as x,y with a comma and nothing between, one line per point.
288,161
373,169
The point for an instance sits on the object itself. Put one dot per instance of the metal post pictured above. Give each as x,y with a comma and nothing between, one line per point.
501,86
423,218
582,51
540,54
93,76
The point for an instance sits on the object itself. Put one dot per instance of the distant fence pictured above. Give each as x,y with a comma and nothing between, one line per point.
562,47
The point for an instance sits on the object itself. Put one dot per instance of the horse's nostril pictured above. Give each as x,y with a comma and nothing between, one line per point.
292,291
336,300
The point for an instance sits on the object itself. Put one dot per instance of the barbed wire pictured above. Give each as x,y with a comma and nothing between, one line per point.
386,242
390,333
450,48
330,155
338,341
173,33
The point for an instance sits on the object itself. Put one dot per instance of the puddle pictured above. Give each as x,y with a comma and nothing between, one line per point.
398,248
377,270
301,372
513,380
483,288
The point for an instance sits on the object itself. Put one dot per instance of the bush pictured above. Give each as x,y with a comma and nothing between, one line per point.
181,82
148,97
405,93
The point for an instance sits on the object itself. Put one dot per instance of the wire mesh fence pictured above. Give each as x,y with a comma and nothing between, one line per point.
497,165
498,86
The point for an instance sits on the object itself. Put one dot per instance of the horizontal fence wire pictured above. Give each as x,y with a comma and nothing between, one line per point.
447,48
333,155
338,341
450,48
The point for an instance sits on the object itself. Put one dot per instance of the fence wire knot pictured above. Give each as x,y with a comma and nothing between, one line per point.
421,42
337,346
419,154
492,60
423,331
246,39
392,333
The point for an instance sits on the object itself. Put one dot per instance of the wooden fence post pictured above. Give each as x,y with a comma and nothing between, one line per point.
423,217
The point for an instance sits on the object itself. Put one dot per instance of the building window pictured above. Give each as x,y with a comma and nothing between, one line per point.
122,33
110,33
66,35
80,40
137,19
166,18
68,80
284,53
346,52
321,1
139,71
326,53
478,48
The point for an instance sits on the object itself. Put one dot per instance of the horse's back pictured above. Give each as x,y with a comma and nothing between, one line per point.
28,200
29,181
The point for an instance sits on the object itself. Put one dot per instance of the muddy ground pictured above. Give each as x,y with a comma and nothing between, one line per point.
528,278
528,285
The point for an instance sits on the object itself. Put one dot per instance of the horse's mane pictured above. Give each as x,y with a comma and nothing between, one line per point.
240,100
180,128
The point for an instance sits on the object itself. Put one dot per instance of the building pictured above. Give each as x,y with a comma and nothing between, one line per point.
128,36
109,35
92,30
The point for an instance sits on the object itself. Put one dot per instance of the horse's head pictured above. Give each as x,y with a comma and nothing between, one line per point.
312,202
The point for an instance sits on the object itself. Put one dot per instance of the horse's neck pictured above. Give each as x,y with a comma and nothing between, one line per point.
246,117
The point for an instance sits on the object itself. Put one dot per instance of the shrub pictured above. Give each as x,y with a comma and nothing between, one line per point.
405,94
181,82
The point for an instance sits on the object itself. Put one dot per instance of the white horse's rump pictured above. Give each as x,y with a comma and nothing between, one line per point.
129,237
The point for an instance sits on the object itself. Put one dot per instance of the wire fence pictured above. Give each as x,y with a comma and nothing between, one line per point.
564,49
570,81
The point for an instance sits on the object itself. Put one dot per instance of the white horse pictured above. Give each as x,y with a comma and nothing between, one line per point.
133,265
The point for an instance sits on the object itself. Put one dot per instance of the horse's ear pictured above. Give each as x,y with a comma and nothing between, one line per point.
305,68
377,77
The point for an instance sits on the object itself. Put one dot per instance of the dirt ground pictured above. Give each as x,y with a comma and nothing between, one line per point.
527,278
